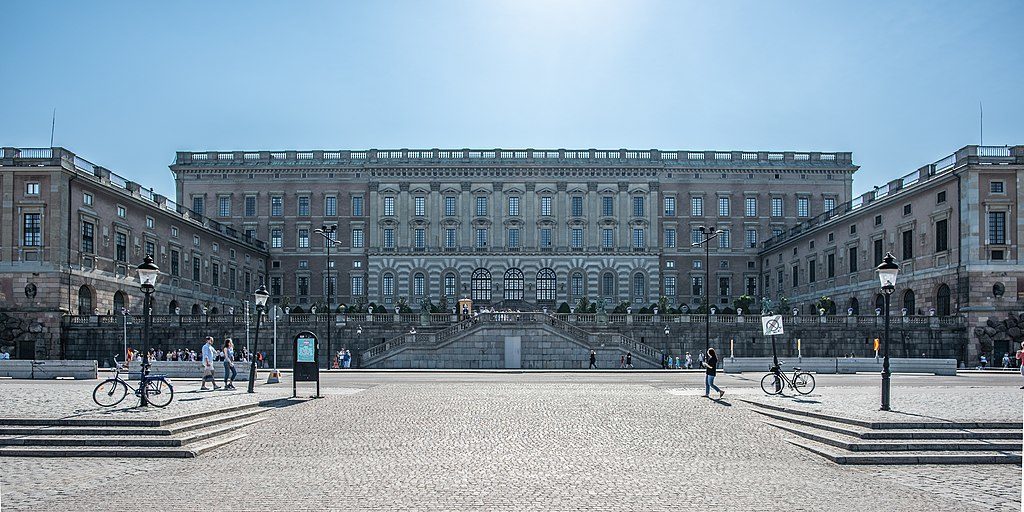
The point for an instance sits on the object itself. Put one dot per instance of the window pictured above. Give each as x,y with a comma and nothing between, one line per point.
87,199
723,206
174,232
150,222
878,220
812,271
670,206
638,206
638,238
331,206
480,285
576,284
942,235
32,189
776,231
224,206
419,206
275,286
389,238
513,238
724,239
831,237
276,240
670,286
121,246
577,238
232,279
853,259
330,285
577,206
607,240
696,285
420,238
639,288
545,205
752,286
670,237
830,265
750,207
449,238
546,284
302,264
698,264
150,248
197,204
513,206
696,237
908,244
175,263
449,206
697,206
796,276
607,206
418,284
303,206
389,206
121,211
481,206
215,268
88,237
906,209
803,207
449,285
608,284
751,238
776,207
357,206
302,286
545,237
940,197
781,280
276,206
357,238
196,268
387,285
995,187
724,286
830,204
303,238
878,252
195,240
481,237
514,284
997,227
853,229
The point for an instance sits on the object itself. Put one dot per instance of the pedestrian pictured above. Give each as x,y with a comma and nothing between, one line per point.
983,361
348,358
629,359
229,364
1020,360
593,359
622,361
711,364
1006,360
689,361
677,363
209,354
4,355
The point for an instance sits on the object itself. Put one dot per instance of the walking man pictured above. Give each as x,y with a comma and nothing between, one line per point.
209,353
710,364
593,359
629,359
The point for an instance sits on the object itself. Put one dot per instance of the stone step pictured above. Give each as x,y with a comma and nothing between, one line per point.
173,429
894,425
188,451
117,422
135,441
854,444
891,434
840,456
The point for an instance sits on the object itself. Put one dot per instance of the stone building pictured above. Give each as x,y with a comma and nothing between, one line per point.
71,233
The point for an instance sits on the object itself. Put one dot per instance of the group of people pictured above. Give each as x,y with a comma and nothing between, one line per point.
226,355
343,359
676,363
184,354
709,362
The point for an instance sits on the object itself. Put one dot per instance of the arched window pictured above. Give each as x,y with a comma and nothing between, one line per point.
85,301
942,301
196,309
639,288
172,308
480,284
608,285
214,310
854,305
880,302
908,301
546,285
576,285
120,301
419,285
514,284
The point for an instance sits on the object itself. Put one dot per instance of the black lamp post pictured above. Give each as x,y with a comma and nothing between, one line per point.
887,273
708,234
261,302
148,272
329,239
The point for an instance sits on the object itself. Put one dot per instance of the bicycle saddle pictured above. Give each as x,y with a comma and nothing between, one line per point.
796,368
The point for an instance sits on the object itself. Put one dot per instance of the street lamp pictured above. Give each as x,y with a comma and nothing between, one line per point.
148,272
261,302
708,234
887,273
329,239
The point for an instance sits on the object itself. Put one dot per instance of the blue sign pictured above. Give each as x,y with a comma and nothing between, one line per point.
305,349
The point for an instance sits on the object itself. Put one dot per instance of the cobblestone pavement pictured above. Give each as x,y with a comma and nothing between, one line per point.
514,442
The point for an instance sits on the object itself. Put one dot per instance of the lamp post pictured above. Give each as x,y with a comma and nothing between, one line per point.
887,273
261,301
329,239
707,234
148,272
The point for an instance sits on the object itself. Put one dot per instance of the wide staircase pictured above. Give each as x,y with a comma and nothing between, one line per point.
511,322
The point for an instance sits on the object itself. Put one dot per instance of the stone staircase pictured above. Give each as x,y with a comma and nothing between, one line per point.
180,437
853,441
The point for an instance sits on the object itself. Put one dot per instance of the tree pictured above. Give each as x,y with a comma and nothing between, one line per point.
745,302
442,305
564,308
621,308
402,306
583,306
379,309
826,303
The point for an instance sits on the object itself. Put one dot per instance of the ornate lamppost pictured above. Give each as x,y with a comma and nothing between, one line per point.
328,232
148,272
887,273
707,234
261,302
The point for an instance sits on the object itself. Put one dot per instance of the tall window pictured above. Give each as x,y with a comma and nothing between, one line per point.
514,284
250,206
389,238
638,206
697,206
224,206
303,206
389,205
215,273
513,206
198,204
32,189
696,286
276,238
724,241
481,206
121,246
812,271
449,238
830,265
387,286
449,284
577,206
275,286
942,235
696,236
449,206
418,284
545,205
175,263
88,237
576,284
830,204
303,238
481,237
357,285
513,238
330,206
608,285
607,239
638,238
997,227
670,286
751,238
776,207
302,286
545,237
196,269
878,252
607,206
853,259
724,286
796,276
752,286
357,206
908,244
942,301
670,206
670,237
577,238
150,248
85,301
330,285
480,285
723,206
908,301
420,206
546,284
803,207
420,238
750,207
639,288
357,238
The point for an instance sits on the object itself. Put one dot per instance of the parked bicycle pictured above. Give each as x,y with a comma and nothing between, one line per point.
774,382
159,391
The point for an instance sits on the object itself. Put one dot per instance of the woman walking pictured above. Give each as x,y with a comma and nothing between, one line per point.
228,352
1020,360
710,363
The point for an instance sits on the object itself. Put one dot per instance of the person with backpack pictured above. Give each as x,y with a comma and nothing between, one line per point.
710,364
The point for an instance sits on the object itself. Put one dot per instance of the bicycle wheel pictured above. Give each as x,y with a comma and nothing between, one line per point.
803,382
109,393
159,392
772,384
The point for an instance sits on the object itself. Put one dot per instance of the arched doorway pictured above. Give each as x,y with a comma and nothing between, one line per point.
514,284
942,301
854,305
546,285
480,286
172,308
908,301
85,301
120,301
196,309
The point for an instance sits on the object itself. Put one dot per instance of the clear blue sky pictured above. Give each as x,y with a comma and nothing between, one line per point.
897,83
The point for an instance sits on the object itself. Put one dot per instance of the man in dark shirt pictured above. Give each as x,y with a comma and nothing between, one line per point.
710,365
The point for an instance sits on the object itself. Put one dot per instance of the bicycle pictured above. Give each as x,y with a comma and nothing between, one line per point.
772,383
159,391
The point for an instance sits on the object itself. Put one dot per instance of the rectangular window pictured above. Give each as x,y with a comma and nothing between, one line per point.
150,249
389,238
87,199
830,204
420,238
276,240
908,245
803,207
997,228
196,269
302,286
878,252
830,265
121,211
670,237
752,286
607,206
638,206
670,206
481,237
513,206
331,206
853,229
750,207
121,247
88,237
303,238
781,280
449,285
751,238
878,220
513,238
276,206
697,206
638,238
796,276
215,273
723,206
940,197
853,259
995,187
275,286
545,237
449,206
696,237
232,279
545,205
357,206
942,235
812,271
777,207
357,285
723,239
197,205
481,206
776,231
303,206
357,238
606,238
419,206
224,206
175,263
577,238
389,206
670,286
250,206
724,286
906,209
449,238
577,206
696,286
